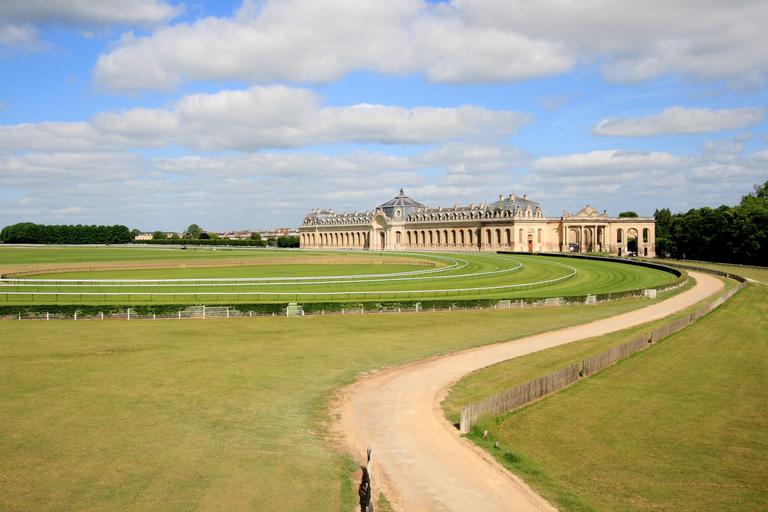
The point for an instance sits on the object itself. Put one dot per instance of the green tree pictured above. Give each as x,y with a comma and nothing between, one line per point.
628,214
288,241
158,235
175,236
192,232
256,236
204,236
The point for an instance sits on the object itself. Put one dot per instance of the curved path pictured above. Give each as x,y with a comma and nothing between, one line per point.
419,460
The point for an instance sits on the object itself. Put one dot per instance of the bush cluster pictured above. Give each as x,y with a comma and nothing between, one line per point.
29,233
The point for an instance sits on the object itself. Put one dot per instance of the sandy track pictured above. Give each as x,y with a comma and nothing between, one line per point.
420,462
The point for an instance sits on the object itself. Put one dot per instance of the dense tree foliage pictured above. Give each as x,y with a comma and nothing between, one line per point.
628,214
737,234
288,241
193,232
29,233
158,235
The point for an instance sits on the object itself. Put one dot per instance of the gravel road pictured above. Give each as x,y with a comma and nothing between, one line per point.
419,460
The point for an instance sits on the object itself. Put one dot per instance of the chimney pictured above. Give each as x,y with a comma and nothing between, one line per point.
501,197
525,196
511,197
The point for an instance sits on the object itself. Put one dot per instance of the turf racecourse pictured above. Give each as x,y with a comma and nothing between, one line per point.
120,276
680,426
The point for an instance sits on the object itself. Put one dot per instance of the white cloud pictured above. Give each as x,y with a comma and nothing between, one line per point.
611,163
315,41
20,20
681,120
262,117
466,41
87,12
56,169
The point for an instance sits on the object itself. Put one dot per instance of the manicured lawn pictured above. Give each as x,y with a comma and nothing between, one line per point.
207,414
478,276
682,425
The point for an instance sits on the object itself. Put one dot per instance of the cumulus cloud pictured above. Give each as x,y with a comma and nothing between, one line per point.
465,41
314,41
54,169
20,20
681,120
87,12
262,117
607,163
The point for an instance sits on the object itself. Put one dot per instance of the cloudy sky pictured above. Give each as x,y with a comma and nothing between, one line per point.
158,114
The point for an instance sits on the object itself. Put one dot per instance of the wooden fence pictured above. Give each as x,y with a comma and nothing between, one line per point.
511,399
516,397
610,356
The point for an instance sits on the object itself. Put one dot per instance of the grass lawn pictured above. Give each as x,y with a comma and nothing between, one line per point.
682,425
478,277
207,415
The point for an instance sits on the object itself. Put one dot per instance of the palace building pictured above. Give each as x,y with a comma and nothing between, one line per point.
512,223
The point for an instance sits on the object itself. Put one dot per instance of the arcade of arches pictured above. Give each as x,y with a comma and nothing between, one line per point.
513,224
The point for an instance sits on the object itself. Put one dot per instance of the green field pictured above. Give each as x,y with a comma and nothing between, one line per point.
270,276
681,426
214,414
228,414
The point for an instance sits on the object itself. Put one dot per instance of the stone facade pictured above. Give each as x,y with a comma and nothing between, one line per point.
512,223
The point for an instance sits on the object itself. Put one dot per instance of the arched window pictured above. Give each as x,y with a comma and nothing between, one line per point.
453,236
461,234
646,233
508,236
498,237
470,237
488,236
430,237
397,237
438,237
520,236
619,236
408,237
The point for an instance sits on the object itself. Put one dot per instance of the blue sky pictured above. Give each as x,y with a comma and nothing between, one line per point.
159,114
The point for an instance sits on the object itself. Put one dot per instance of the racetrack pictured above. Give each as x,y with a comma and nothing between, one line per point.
420,462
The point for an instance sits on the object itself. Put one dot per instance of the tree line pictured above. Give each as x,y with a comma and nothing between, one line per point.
30,233
737,234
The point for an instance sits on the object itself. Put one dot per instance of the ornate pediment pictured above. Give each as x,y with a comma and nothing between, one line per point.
587,212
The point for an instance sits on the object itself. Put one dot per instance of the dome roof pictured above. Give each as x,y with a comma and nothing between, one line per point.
400,207
401,200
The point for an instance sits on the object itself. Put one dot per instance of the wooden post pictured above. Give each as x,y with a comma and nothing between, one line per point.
366,487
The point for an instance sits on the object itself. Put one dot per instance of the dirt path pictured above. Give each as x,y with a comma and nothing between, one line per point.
420,462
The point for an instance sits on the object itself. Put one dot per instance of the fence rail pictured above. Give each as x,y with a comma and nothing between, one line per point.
610,356
518,396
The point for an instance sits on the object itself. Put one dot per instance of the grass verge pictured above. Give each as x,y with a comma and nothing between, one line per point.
680,426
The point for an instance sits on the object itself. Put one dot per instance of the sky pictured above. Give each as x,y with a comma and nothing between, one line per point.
158,114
